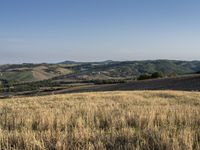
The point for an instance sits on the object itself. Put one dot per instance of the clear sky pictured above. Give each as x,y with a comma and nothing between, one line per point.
94,30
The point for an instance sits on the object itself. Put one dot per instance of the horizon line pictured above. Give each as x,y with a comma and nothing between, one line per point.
98,61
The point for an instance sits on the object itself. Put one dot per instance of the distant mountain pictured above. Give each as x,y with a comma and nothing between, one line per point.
95,62
69,62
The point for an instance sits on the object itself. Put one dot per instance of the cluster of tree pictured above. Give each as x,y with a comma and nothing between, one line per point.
30,86
198,72
108,81
151,76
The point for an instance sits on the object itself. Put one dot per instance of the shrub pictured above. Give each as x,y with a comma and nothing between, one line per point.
156,75
144,77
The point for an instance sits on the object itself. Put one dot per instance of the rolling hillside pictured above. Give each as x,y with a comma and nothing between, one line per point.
133,69
69,76
31,72
96,70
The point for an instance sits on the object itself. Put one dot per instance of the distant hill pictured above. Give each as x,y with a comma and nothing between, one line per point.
74,62
96,70
31,72
70,62
132,69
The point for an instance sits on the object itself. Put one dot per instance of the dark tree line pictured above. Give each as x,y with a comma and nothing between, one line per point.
151,76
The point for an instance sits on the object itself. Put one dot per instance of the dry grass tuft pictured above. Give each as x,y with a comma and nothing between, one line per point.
108,120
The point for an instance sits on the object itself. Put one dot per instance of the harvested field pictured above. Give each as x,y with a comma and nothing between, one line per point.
105,120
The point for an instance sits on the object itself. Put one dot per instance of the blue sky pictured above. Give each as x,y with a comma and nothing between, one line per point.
95,30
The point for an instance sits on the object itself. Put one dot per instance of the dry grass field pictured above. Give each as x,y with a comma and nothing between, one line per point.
106,120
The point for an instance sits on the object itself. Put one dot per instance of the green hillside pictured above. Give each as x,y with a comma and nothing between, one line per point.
70,70
31,72
132,69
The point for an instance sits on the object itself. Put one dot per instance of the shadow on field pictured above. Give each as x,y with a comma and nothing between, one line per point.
184,83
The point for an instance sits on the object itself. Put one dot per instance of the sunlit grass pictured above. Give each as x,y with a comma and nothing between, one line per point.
106,120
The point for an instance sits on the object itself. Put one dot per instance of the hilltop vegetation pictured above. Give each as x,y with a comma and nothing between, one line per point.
110,120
